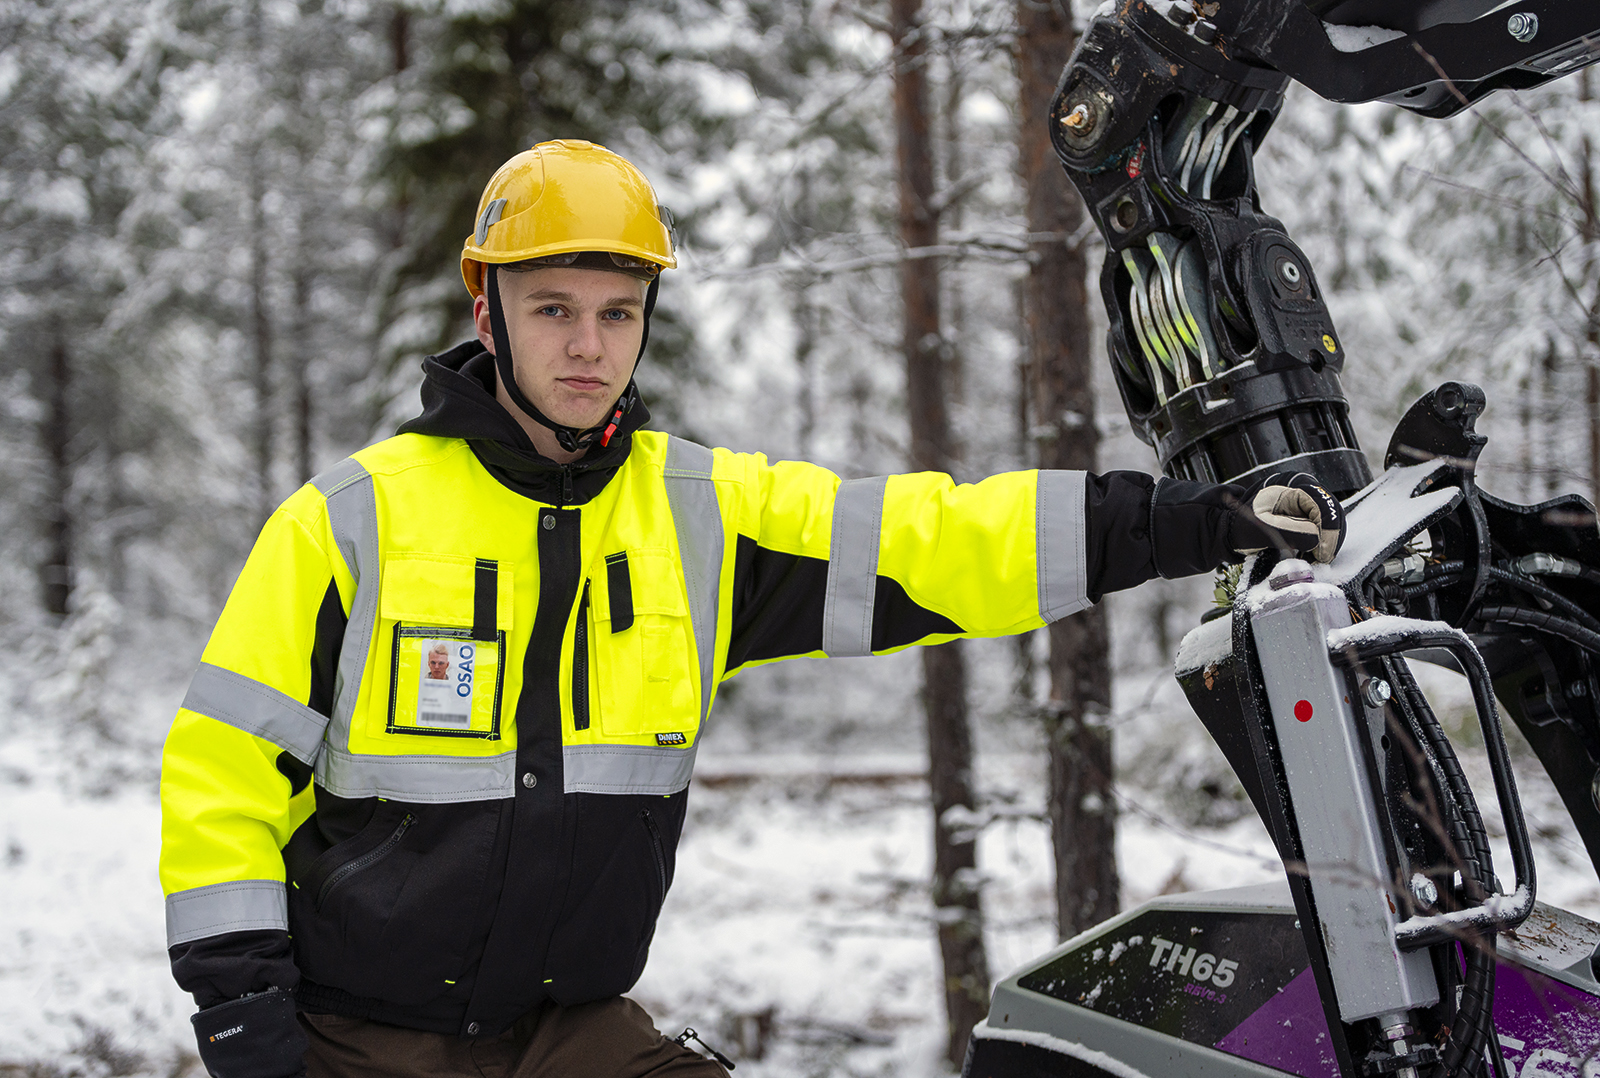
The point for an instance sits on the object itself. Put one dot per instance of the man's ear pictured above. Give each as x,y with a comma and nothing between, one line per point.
480,319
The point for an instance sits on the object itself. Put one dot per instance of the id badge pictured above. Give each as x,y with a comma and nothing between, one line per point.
444,683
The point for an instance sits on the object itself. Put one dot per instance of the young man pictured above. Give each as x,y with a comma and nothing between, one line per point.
467,875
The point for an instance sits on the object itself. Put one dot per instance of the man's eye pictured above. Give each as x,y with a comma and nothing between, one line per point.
616,314
552,311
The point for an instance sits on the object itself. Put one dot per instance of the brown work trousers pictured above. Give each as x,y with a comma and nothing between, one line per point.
610,1038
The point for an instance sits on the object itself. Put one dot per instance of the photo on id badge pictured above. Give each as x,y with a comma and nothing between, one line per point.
444,691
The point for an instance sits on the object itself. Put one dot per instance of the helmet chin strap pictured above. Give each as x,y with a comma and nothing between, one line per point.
571,439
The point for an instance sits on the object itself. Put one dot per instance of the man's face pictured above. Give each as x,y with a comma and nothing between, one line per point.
574,336
438,665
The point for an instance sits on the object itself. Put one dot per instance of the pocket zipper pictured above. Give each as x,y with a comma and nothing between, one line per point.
365,861
580,664
655,848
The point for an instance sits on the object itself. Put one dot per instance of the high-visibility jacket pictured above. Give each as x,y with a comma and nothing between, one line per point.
443,731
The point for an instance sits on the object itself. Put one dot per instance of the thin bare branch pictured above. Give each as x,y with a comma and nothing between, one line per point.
1491,126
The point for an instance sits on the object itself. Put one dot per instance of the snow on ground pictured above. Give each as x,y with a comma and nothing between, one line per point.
797,935
83,950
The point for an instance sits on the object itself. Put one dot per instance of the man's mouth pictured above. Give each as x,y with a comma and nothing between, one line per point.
583,385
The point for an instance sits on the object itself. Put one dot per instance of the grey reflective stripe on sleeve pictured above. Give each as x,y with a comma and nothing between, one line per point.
248,705
1060,526
698,520
427,780
353,516
237,906
626,769
853,567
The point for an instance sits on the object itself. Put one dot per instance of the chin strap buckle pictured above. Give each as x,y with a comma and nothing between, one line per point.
616,418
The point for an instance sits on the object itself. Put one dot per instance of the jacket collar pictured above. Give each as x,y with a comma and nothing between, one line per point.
458,402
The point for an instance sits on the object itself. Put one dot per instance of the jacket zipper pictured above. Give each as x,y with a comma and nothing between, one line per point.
365,861
655,848
580,664
566,485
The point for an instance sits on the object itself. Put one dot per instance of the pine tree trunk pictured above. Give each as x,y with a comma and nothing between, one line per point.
55,438
260,323
261,354
1593,398
1026,662
300,337
806,331
1082,812
956,897
807,323
950,220
300,342
1591,244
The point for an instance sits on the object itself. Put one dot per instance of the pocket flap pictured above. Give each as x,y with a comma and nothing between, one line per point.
440,589
654,580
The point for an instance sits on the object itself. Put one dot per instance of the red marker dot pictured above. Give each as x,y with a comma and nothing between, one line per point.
1302,710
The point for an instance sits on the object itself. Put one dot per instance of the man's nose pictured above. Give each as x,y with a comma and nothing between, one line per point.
585,342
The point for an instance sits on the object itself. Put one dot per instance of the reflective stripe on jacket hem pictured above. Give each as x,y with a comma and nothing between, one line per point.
427,780
853,567
605,769
247,704
626,769
235,906
1060,530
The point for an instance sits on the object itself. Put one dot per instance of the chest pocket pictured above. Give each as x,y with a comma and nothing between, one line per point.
446,618
645,671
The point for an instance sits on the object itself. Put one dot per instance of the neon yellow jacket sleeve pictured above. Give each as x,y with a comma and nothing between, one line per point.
868,566
235,768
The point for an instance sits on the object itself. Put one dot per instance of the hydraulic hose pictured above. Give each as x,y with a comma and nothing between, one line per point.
1549,595
1464,1046
1451,572
1569,631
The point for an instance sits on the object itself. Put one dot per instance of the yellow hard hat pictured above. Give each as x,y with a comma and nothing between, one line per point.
563,197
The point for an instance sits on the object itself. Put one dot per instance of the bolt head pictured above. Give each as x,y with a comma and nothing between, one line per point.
1376,692
1424,890
1524,26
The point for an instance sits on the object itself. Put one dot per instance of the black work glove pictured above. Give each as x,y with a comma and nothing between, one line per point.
254,1037
1290,512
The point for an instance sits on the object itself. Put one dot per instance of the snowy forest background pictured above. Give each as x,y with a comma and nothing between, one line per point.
229,232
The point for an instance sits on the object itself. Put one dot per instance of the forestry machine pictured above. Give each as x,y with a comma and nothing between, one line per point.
1393,945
